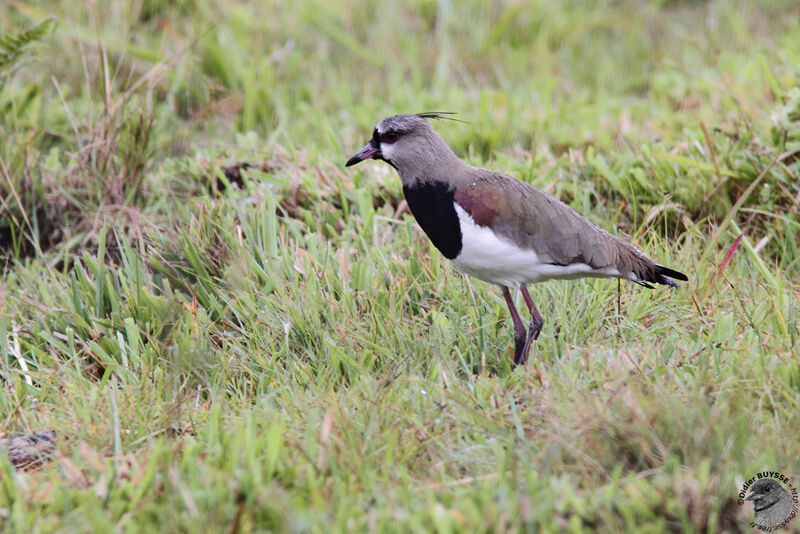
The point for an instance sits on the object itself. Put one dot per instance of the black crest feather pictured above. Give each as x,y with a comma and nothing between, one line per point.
440,116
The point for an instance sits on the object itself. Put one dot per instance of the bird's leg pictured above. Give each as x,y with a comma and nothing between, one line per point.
536,322
519,328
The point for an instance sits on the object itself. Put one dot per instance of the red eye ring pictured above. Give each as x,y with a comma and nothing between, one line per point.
389,137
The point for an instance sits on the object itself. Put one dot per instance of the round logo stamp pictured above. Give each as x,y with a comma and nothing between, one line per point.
775,500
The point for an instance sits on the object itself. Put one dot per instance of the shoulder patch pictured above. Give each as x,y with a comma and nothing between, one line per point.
480,201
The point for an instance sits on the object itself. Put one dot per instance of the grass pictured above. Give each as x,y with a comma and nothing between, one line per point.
277,347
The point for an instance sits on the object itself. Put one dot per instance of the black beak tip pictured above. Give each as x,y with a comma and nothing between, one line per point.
370,151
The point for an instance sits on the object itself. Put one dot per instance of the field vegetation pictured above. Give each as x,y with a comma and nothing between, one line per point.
231,332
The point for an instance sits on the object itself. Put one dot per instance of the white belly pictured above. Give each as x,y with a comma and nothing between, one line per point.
495,259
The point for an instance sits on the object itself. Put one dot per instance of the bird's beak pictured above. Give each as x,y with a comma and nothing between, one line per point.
369,151
750,497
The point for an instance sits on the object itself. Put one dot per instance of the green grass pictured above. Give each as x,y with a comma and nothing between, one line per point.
285,351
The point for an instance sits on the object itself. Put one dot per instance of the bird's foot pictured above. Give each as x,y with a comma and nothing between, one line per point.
526,349
520,354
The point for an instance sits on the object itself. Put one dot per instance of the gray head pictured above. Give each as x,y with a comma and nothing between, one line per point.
765,492
409,144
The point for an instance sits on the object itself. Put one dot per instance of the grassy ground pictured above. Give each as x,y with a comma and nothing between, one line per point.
279,348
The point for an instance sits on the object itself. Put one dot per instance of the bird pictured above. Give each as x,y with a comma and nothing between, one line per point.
497,228
771,502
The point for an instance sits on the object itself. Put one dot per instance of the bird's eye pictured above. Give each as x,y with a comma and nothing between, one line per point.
767,489
389,137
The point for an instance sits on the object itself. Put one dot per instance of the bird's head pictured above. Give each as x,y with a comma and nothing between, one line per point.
406,142
765,492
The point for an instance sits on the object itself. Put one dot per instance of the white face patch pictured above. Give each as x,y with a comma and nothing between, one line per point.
388,151
495,259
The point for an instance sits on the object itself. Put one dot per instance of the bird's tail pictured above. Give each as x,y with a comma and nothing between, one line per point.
664,274
659,274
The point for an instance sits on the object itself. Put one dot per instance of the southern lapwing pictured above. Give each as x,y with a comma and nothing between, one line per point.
498,228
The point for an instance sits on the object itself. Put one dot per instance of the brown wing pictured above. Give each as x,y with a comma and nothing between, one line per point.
535,220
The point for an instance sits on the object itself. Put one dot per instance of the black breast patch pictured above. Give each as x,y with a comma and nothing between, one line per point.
433,208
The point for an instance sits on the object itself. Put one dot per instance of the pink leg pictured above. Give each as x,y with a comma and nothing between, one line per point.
519,328
536,322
